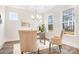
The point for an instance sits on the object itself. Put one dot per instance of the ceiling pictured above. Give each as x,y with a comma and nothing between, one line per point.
34,8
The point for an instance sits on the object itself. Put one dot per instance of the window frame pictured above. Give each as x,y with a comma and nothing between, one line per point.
13,16
71,20
50,23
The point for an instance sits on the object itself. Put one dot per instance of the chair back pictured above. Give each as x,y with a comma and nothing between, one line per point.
42,35
28,40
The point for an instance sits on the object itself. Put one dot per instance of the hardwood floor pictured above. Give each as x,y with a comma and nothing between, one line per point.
8,49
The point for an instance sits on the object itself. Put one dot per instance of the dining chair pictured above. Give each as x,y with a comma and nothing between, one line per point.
56,40
28,41
42,36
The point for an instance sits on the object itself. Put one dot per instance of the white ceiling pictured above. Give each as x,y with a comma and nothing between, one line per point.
33,8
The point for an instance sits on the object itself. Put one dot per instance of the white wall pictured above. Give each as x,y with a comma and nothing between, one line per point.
2,26
56,12
11,27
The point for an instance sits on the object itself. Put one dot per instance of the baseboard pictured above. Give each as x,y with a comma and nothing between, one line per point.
12,39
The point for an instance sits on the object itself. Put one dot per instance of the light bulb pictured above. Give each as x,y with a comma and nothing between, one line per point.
32,17
38,16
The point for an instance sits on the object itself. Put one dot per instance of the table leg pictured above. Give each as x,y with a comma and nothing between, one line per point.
44,41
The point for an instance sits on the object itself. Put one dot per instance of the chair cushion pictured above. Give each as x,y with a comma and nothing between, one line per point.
56,40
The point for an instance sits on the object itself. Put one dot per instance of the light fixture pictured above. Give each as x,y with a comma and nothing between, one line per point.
36,16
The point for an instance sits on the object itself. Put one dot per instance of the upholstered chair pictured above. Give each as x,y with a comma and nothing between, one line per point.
56,40
28,41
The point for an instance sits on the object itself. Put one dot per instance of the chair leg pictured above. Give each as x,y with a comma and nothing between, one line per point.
40,40
44,41
49,47
38,51
60,46
21,52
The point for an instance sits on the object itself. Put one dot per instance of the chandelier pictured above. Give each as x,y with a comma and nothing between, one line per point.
36,16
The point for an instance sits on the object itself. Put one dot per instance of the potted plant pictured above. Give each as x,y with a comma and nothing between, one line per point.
42,28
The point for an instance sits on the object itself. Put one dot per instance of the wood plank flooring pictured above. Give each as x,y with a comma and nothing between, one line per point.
8,49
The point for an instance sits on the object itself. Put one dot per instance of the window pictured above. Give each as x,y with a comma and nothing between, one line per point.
50,23
68,21
13,16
